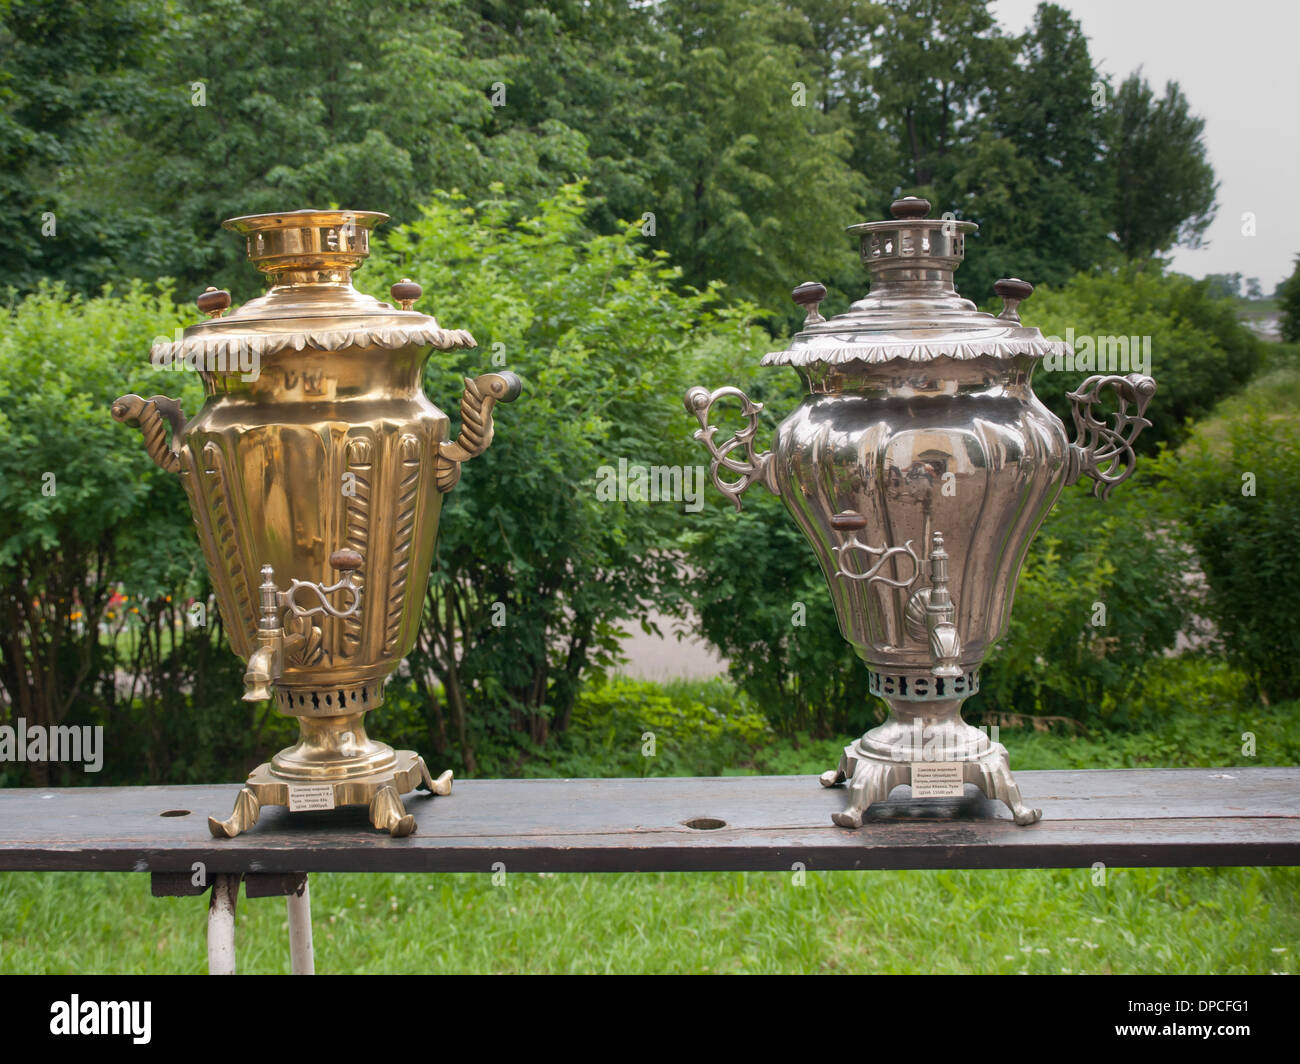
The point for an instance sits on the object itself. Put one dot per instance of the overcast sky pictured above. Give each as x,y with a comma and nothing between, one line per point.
1239,66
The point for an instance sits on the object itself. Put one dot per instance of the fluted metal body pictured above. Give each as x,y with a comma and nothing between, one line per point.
317,462
919,466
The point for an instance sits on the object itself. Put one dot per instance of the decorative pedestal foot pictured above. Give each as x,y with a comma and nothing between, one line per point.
387,813
442,785
380,791
871,778
247,810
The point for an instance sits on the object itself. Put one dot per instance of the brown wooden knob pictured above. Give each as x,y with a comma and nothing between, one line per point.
345,561
809,294
406,292
848,521
1013,288
213,301
910,207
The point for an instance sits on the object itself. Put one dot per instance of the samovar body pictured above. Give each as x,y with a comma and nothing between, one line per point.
919,467
315,473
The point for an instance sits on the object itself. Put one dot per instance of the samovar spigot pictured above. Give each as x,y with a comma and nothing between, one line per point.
940,613
266,663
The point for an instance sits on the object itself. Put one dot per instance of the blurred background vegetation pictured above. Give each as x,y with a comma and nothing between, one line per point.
622,196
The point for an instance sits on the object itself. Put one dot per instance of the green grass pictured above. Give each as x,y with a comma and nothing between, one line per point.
1039,921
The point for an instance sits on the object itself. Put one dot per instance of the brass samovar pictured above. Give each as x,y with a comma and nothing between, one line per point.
315,473
919,467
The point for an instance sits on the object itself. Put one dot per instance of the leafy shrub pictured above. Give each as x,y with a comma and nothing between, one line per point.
698,728
1236,485
1200,351
83,511
1103,595
598,328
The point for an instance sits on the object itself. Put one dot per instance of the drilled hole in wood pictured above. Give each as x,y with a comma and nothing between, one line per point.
175,812
705,823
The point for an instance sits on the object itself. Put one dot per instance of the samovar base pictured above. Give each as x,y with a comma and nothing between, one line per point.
932,732
381,791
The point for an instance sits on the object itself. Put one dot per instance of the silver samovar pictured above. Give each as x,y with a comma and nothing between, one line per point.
919,466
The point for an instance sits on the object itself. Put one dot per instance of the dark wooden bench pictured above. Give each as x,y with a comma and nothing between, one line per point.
1118,817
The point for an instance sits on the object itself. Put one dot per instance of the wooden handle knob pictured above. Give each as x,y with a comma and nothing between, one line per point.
345,561
213,301
910,207
1013,288
848,521
809,294
406,292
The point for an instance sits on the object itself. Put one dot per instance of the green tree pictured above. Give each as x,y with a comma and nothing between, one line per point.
1053,219
1236,486
62,68
537,566
1288,296
1164,185
1224,285
78,495
253,112
1199,350
756,186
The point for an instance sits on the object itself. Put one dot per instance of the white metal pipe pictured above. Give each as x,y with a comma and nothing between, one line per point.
221,925
302,959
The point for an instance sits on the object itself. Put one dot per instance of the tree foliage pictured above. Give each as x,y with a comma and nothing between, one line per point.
744,134
536,567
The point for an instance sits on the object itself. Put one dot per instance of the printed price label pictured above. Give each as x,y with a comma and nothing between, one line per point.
937,779
307,796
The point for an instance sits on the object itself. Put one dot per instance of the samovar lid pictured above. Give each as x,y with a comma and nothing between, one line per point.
913,312
309,256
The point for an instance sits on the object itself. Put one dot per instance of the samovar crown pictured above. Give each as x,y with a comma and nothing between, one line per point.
299,242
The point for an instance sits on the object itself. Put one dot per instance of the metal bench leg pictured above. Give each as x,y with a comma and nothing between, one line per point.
302,959
221,925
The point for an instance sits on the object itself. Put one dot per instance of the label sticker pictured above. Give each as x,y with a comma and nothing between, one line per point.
937,779
307,796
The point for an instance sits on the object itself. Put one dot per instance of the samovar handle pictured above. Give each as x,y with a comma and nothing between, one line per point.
151,416
755,467
1103,451
481,394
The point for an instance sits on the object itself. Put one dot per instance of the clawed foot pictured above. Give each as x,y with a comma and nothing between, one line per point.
388,814
247,810
1024,815
442,785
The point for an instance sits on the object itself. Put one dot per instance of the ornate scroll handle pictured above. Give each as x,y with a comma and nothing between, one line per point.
754,467
1106,453
480,396
851,521
347,562
149,416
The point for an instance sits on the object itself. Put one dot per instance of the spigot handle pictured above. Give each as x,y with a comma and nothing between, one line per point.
853,522
1103,451
345,561
152,416
481,394
755,467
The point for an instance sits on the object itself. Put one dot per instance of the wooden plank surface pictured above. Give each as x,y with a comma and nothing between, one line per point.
1159,817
